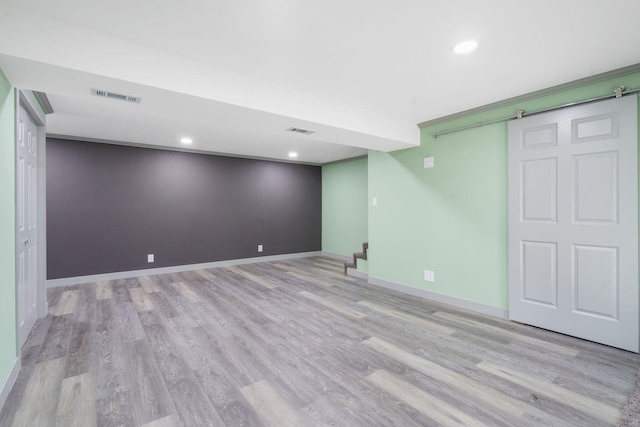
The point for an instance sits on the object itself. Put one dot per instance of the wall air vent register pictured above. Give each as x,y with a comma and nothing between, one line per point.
298,130
118,96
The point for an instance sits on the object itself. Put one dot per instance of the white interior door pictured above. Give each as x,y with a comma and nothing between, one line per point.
27,223
573,221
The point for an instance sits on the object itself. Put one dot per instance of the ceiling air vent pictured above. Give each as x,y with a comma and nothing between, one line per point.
298,130
107,94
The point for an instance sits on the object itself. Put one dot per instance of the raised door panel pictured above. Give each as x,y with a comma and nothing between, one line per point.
539,190
595,195
539,273
603,126
595,281
543,136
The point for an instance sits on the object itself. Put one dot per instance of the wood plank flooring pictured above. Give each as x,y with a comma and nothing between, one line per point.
295,343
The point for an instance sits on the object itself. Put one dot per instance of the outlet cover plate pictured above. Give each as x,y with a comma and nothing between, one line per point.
150,258
259,248
429,276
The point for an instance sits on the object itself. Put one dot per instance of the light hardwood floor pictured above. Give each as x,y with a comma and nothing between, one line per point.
296,343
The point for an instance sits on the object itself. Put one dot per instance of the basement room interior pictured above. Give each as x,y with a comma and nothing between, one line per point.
292,213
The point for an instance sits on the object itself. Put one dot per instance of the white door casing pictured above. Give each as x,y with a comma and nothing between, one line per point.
573,222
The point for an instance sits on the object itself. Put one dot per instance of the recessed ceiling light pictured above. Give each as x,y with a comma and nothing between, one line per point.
465,46
293,154
186,140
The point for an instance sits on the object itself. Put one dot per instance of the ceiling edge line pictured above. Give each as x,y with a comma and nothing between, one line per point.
537,94
348,159
180,149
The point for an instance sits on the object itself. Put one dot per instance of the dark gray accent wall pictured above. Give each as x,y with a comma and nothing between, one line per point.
108,206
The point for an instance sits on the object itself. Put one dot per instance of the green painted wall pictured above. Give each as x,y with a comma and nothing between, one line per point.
344,208
8,339
453,218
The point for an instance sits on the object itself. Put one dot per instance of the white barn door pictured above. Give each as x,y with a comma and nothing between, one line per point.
573,221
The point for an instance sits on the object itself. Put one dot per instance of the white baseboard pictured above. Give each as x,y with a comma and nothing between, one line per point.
350,271
52,283
446,299
10,381
358,274
337,256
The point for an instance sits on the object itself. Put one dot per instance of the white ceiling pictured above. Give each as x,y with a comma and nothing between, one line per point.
233,75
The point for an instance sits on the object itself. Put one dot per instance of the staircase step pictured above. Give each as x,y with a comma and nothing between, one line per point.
349,265
356,257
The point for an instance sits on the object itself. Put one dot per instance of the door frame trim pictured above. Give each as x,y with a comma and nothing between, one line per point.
27,100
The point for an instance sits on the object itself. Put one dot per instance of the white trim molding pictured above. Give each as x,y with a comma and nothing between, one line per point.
9,381
336,256
350,271
446,299
359,274
66,281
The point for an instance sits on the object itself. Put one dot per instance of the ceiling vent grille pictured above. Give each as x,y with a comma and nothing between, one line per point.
113,95
298,130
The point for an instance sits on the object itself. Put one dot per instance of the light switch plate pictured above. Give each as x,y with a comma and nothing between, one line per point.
374,201
429,162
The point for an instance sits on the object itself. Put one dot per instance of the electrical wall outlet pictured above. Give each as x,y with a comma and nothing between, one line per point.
429,276
259,248
374,201
150,258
